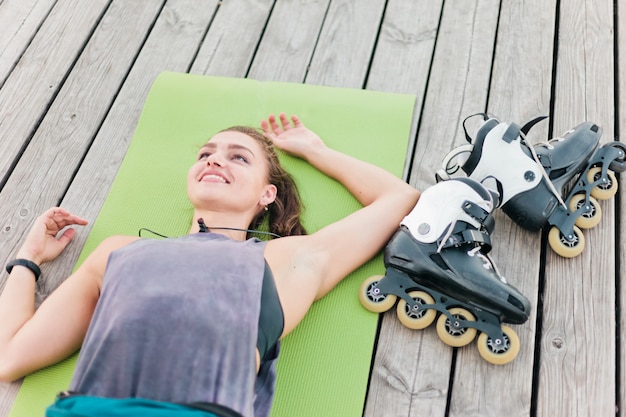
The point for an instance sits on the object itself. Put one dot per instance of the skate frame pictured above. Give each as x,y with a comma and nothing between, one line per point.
400,284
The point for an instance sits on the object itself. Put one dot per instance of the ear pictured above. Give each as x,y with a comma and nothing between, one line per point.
269,195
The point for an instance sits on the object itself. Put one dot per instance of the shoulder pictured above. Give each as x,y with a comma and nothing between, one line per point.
113,243
98,258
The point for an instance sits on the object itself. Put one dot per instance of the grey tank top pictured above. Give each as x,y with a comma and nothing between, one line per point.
177,321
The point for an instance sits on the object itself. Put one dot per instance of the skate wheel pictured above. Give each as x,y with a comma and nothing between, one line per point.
453,335
499,352
372,299
564,247
416,319
590,218
602,191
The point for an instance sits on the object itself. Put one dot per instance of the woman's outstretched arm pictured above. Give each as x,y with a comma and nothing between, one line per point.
339,248
29,339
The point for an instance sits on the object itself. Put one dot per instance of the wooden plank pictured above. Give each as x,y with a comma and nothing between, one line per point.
36,79
577,372
621,217
19,20
7,396
458,87
405,47
346,43
481,388
289,41
404,52
232,39
519,92
513,97
398,386
458,84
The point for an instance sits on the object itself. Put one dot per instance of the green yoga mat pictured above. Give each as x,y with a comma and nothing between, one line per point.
325,362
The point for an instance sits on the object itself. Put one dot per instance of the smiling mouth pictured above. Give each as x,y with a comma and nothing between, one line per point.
213,178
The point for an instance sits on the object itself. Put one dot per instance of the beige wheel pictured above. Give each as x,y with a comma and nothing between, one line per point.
502,351
372,299
589,218
453,335
421,318
603,191
562,246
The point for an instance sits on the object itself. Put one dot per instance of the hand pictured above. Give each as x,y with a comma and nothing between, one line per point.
295,139
42,244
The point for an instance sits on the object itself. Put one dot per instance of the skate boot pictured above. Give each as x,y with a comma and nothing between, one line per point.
437,262
557,183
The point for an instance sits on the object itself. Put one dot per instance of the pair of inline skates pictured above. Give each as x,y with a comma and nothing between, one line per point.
437,261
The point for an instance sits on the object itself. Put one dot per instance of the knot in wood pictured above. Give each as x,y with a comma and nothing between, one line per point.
558,342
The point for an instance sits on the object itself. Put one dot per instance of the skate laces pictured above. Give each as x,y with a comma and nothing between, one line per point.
445,238
488,262
544,174
476,252
548,143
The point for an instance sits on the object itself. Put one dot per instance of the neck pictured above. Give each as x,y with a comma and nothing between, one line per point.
214,223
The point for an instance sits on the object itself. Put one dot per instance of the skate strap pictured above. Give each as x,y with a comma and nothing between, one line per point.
507,137
468,236
485,117
475,211
511,133
529,125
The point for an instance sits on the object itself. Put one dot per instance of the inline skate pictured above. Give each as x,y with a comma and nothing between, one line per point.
557,183
437,262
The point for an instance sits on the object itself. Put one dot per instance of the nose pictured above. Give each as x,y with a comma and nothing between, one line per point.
214,159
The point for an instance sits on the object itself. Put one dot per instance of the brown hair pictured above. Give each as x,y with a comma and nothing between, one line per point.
284,213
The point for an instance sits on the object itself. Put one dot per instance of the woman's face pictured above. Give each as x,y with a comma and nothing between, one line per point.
230,173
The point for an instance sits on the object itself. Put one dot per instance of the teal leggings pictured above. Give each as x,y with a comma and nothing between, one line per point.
84,406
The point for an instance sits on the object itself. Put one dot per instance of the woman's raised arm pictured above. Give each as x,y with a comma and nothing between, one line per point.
343,246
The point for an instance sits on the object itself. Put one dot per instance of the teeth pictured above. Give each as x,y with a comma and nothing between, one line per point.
212,177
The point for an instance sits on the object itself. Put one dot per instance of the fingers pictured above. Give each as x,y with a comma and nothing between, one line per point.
271,126
67,237
58,218
42,243
266,128
284,121
296,121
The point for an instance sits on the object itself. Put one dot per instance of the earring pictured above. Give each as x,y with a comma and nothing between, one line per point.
265,207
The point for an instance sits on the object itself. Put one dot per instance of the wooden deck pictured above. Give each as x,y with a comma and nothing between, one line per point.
74,76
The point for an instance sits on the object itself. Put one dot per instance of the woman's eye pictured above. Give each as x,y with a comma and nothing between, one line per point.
203,156
239,157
